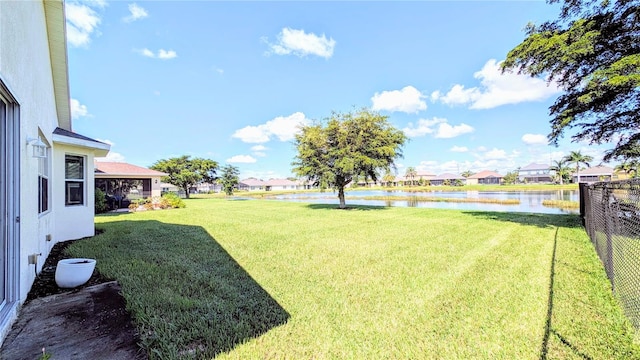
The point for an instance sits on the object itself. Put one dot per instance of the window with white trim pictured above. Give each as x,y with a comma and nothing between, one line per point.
74,180
43,179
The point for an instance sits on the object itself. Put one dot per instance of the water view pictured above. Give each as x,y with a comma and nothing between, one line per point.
529,201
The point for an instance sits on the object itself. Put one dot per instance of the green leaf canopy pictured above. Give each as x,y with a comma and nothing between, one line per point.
593,52
185,172
347,145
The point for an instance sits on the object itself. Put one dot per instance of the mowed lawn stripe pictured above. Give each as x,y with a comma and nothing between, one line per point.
359,283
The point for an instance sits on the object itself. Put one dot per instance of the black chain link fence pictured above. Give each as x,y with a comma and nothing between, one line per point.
611,215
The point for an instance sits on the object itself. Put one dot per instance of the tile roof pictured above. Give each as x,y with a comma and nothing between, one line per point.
595,170
448,176
252,182
124,169
485,174
63,132
280,182
534,166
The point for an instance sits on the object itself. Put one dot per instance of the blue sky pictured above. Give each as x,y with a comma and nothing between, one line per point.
231,81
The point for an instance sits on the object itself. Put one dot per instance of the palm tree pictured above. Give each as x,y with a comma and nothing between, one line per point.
576,157
388,178
411,173
467,173
561,168
630,167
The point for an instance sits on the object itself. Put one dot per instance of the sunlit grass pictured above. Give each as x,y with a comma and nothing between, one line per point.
509,188
418,199
561,204
259,279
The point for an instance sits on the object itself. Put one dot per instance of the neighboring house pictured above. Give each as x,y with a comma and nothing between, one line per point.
593,174
251,184
485,177
280,184
207,188
448,178
166,187
123,182
305,185
46,170
535,173
423,176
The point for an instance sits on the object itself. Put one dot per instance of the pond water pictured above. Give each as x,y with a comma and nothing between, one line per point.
530,201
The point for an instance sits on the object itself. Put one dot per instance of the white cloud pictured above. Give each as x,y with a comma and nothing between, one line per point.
495,154
259,150
283,128
446,131
112,157
252,134
136,12
243,159
162,53
146,52
299,43
438,127
408,100
82,21
78,110
166,54
497,89
460,149
422,127
534,139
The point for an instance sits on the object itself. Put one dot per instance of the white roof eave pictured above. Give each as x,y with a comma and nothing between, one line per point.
99,149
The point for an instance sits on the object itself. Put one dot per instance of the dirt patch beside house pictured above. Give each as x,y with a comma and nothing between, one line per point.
45,283
87,322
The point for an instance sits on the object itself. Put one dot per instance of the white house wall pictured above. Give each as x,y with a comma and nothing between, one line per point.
26,70
72,222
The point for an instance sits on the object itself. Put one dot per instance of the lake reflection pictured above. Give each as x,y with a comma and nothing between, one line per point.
530,201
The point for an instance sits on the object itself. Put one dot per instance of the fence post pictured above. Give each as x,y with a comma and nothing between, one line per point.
582,187
608,229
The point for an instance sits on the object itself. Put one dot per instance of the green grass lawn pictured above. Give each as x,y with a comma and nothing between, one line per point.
265,279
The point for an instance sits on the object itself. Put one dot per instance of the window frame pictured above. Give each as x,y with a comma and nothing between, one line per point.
44,176
78,182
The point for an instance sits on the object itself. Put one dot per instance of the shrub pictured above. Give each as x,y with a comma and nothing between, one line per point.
100,202
173,200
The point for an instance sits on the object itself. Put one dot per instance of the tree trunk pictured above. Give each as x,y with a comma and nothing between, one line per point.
341,197
186,191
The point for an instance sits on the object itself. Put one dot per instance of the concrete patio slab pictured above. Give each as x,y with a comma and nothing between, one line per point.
90,323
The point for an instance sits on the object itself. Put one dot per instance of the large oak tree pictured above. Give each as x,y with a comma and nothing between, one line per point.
185,172
346,146
593,52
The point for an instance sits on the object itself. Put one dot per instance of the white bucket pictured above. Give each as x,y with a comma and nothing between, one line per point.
71,273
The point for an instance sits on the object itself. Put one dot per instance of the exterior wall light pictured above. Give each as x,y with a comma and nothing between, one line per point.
39,148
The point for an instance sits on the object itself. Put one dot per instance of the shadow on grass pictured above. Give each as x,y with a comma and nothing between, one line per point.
189,297
548,329
533,219
349,207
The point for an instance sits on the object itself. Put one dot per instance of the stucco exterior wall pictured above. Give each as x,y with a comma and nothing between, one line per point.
76,221
26,71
